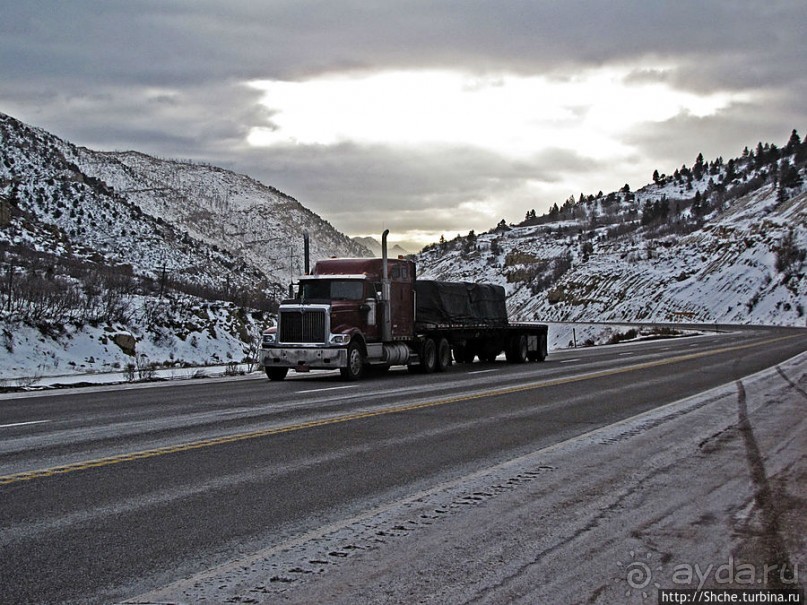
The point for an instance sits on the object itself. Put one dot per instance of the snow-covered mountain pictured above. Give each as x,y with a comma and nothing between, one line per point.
222,208
718,242
208,225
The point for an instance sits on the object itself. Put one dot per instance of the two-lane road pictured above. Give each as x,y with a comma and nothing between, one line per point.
106,493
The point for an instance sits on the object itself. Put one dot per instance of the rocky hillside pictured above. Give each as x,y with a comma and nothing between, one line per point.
197,223
715,242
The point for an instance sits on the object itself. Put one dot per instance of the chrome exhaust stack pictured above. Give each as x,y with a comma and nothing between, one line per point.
386,291
306,254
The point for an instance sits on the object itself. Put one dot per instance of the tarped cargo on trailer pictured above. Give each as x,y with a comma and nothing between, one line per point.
461,303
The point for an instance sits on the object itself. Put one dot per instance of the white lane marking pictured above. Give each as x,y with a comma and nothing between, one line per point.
328,389
570,360
6,426
482,371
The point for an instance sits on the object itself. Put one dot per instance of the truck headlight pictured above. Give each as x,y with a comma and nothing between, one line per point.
268,339
340,339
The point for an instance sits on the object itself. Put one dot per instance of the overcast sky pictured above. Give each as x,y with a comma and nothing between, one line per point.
426,117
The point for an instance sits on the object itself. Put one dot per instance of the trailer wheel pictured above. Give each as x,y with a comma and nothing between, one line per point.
540,354
428,356
517,351
276,373
443,355
355,362
536,356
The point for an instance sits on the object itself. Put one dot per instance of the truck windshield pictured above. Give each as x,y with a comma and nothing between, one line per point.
332,290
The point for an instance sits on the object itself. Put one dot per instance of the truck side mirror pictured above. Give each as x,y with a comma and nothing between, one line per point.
364,308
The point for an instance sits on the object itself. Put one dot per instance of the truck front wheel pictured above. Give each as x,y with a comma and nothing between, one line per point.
276,373
355,362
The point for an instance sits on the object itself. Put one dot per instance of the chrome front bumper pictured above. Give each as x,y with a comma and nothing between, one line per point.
304,358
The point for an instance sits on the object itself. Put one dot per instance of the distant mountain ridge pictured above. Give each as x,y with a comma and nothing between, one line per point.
374,246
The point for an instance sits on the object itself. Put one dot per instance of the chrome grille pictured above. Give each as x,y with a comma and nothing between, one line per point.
302,326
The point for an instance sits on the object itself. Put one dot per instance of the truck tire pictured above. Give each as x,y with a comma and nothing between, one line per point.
517,351
276,373
428,356
443,355
540,354
355,362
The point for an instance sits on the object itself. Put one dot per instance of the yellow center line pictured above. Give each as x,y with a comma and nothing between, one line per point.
301,426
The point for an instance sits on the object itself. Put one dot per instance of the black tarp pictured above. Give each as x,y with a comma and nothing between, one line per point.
460,303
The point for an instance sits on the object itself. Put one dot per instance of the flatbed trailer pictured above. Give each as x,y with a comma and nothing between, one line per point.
520,342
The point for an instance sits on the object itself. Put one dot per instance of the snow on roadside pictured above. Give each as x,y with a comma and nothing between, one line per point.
90,356
170,340
666,499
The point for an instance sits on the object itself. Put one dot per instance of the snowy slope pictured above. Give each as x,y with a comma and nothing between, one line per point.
212,225
601,264
171,337
219,207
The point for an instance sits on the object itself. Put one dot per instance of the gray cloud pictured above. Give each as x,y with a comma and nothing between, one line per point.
172,42
166,77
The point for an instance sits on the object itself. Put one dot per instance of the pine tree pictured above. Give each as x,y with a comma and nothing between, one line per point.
759,156
789,176
730,171
697,204
697,169
793,143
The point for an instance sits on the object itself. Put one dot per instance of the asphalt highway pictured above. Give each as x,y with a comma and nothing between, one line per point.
106,493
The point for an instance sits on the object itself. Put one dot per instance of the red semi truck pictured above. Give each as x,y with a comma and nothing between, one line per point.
360,313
